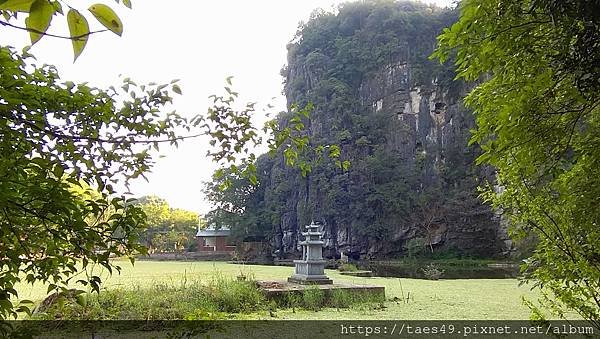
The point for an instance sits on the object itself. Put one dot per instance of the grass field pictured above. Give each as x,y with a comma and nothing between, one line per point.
443,299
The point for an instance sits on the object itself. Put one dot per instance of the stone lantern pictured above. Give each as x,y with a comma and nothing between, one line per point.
311,268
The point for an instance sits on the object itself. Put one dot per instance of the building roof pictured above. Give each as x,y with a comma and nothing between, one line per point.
211,231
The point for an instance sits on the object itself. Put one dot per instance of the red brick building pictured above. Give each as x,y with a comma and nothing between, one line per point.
213,240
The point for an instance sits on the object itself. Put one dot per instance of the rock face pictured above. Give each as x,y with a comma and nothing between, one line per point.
400,121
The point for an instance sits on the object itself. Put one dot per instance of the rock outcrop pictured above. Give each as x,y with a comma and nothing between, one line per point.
400,120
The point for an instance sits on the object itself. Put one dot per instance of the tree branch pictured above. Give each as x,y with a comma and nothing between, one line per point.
75,37
509,28
115,140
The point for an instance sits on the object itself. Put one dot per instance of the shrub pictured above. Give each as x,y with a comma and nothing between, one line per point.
291,300
342,299
432,272
415,247
347,268
235,296
313,298
195,300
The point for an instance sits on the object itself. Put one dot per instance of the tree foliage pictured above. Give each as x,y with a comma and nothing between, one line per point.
293,140
166,229
235,204
56,141
40,14
236,191
538,122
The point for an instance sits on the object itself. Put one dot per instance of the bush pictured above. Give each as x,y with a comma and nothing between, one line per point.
235,296
195,300
291,300
432,272
313,298
341,299
347,268
415,247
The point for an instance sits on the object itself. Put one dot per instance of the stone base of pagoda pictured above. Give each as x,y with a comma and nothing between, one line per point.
310,272
310,279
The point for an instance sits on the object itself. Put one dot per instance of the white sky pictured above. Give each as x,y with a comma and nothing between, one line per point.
199,42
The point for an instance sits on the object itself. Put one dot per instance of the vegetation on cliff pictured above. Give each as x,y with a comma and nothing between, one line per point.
403,179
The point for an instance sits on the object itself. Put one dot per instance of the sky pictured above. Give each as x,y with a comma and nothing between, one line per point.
199,42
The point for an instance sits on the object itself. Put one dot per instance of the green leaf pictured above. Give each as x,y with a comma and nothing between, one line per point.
78,28
24,309
176,89
107,17
17,5
57,7
334,151
253,180
127,3
82,299
5,304
39,19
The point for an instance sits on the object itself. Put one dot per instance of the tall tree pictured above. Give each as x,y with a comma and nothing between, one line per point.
537,64
166,228
55,137
65,145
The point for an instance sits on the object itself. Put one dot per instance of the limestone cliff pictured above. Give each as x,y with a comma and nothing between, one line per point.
400,120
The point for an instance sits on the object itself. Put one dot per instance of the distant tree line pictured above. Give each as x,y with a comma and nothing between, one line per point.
167,229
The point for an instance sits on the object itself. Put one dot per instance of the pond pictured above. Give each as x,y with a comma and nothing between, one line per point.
454,270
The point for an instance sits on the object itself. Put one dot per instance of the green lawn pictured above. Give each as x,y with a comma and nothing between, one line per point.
442,299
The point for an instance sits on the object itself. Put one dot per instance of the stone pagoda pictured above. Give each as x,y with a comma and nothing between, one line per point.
311,268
